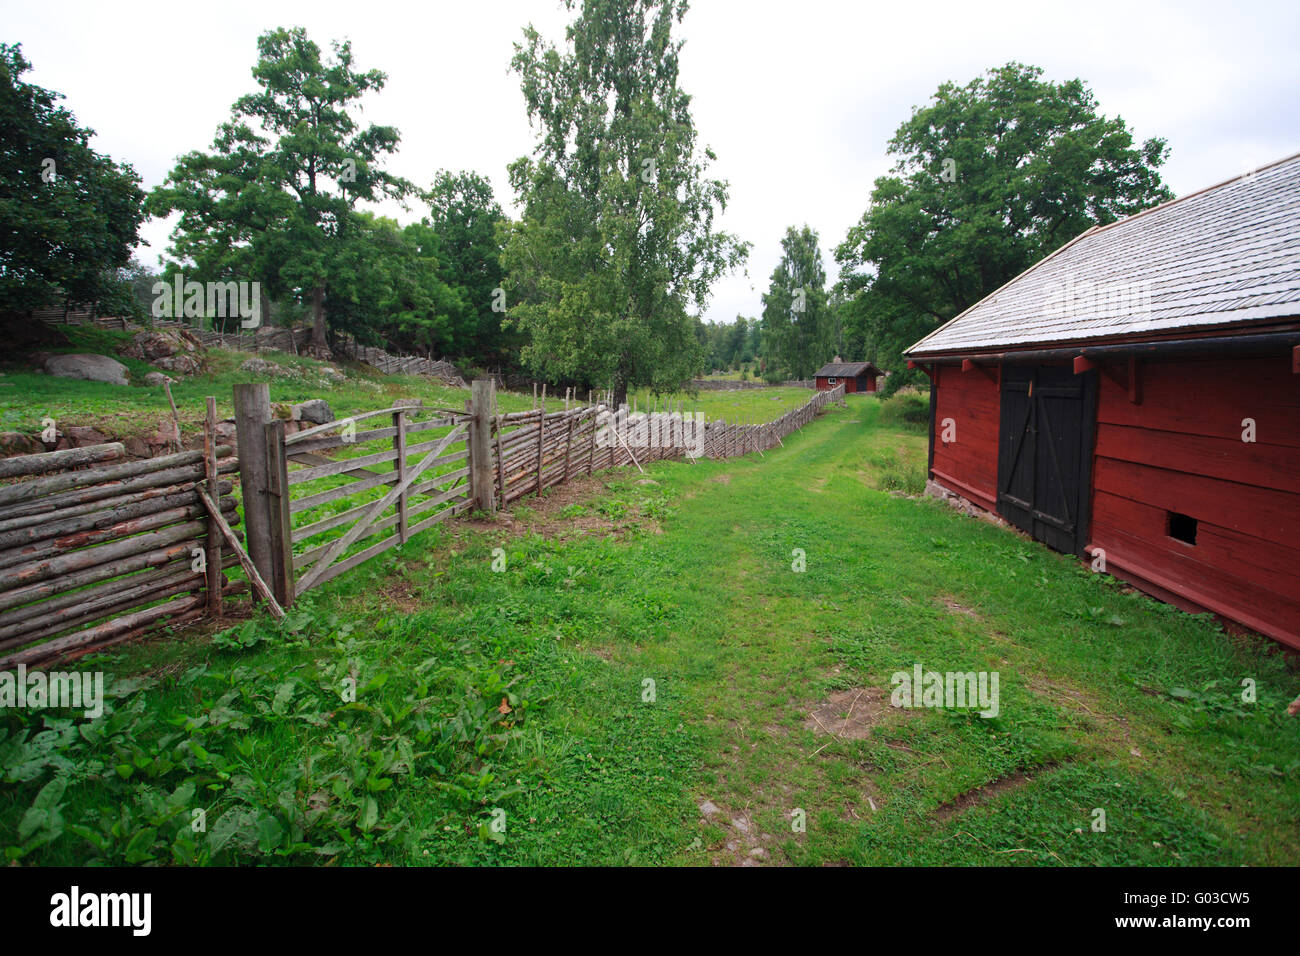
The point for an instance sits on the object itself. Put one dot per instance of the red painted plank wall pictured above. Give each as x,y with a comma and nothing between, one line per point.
969,464
1181,450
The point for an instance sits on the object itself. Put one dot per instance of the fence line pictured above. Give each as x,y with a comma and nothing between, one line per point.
326,515
95,548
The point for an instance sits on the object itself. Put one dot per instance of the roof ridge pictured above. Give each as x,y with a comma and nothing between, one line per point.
1192,195
921,345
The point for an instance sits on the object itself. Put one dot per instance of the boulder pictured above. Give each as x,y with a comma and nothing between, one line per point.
93,368
16,443
157,379
136,447
317,411
257,366
226,433
166,435
333,375
179,363
148,346
80,436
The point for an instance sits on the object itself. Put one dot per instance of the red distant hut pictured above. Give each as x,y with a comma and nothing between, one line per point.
1137,393
856,376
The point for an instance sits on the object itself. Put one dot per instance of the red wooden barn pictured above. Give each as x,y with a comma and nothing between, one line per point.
856,376
1137,393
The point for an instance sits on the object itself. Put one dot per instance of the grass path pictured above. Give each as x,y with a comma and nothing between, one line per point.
676,693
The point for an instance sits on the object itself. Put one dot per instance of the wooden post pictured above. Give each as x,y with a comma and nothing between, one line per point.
480,448
591,454
568,442
399,466
176,418
277,500
252,413
541,438
213,550
500,469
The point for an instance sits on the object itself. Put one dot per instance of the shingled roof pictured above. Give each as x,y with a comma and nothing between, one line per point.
846,369
1227,254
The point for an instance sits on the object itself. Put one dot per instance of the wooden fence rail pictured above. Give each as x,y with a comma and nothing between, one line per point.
95,548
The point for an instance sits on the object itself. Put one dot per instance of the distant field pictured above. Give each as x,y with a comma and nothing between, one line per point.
27,397
749,405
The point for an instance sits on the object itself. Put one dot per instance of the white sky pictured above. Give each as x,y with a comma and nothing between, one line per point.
798,99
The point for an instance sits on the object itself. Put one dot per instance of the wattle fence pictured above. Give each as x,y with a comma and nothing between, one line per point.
95,549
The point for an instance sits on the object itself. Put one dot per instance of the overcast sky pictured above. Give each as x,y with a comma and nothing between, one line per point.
798,99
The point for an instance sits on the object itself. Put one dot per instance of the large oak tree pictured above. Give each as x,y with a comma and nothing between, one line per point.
991,177
276,199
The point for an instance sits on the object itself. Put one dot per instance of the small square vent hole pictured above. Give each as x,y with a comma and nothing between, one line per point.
1182,527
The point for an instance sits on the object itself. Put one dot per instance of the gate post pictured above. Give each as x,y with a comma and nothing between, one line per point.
277,505
482,486
252,414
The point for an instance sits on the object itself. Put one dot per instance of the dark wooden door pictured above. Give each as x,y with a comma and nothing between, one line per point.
1045,452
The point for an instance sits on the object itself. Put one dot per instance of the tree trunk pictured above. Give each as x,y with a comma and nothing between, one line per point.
319,348
620,388
318,316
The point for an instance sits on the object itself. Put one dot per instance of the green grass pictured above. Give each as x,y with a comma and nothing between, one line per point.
526,691
27,397
747,406
137,409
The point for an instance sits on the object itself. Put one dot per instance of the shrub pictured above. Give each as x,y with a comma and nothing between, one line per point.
899,379
907,409
902,474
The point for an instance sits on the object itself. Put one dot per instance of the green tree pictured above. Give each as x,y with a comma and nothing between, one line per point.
617,240
389,289
68,215
990,177
798,327
466,217
276,199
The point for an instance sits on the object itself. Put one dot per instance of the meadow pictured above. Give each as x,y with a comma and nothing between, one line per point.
689,667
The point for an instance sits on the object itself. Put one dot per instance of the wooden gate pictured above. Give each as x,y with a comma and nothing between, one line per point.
385,485
1045,452
312,516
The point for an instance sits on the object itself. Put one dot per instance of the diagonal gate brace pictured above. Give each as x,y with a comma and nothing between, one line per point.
378,508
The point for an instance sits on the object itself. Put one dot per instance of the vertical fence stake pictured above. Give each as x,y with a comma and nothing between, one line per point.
213,555
500,469
252,413
399,466
479,443
568,441
277,498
